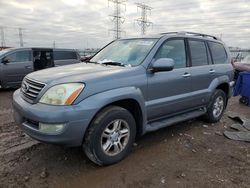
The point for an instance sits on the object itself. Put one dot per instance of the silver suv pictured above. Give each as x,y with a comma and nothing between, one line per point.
130,87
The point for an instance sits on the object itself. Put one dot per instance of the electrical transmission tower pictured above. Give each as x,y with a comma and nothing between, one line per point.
143,20
2,37
117,18
20,33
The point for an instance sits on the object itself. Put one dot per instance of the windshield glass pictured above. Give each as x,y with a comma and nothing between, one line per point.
4,51
129,52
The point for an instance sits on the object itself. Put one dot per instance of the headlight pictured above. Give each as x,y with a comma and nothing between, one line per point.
63,94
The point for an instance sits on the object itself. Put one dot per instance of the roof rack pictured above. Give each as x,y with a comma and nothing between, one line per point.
192,34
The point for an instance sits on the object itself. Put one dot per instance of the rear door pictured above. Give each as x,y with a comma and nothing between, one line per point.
20,64
220,60
65,57
169,92
201,70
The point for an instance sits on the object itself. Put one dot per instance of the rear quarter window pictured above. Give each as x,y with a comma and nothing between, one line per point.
64,55
218,52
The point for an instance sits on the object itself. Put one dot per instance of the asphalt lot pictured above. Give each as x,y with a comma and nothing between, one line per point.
190,154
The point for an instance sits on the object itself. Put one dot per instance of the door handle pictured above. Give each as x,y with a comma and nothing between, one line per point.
186,75
212,71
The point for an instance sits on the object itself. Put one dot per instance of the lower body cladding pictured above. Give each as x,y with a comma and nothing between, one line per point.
65,125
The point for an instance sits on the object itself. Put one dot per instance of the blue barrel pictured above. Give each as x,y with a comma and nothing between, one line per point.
242,86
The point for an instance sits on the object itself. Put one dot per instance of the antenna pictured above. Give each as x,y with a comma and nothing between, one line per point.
117,19
143,20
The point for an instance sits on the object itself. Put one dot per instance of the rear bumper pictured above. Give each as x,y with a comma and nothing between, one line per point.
76,119
231,87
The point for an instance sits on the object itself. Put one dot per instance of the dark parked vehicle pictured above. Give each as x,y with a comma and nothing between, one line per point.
16,63
130,87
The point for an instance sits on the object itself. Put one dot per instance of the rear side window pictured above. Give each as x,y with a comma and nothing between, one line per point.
198,53
218,52
64,55
174,49
21,56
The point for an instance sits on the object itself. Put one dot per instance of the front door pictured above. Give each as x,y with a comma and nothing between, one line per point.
169,92
17,68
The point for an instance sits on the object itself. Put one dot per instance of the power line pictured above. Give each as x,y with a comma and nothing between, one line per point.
118,20
193,4
143,20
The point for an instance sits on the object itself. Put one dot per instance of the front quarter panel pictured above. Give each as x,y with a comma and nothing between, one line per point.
98,101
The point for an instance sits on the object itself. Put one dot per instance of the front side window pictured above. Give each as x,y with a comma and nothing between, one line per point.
174,49
127,52
198,53
21,56
218,53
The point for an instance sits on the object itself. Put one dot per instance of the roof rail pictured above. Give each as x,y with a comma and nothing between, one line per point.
191,33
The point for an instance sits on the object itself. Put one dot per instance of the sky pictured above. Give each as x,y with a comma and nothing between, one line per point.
86,23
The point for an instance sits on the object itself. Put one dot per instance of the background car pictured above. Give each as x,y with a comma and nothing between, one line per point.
15,63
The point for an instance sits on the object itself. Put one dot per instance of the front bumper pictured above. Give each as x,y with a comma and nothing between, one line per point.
75,117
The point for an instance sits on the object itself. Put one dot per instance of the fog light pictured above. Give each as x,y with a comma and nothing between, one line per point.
51,128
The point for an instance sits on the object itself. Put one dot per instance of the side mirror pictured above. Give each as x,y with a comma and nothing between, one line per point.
86,58
163,64
5,60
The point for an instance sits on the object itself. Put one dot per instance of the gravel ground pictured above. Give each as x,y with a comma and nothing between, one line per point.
190,154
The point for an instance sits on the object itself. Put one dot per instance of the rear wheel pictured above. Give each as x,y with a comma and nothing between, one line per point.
216,106
110,136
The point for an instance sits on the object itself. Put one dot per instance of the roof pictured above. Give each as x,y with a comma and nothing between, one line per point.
40,48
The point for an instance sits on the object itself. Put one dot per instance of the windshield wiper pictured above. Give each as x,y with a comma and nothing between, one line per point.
113,63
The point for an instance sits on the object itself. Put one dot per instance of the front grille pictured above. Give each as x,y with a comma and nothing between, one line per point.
31,88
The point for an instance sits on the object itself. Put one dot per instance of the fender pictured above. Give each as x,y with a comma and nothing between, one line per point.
218,81
98,101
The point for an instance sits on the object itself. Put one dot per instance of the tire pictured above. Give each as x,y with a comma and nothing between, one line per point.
110,137
244,100
216,106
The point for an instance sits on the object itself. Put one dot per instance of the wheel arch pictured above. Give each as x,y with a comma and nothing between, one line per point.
224,87
222,83
130,99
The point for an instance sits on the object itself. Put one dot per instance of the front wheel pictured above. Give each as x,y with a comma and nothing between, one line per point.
110,136
216,106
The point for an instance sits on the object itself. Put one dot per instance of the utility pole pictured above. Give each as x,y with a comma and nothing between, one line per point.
143,20
54,44
117,18
2,37
20,33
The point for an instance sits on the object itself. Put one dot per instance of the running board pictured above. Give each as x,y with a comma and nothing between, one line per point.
175,119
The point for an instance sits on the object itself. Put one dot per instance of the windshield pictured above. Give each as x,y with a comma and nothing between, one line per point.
129,52
4,51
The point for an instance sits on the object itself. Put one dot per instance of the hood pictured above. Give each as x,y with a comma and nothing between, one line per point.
74,73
